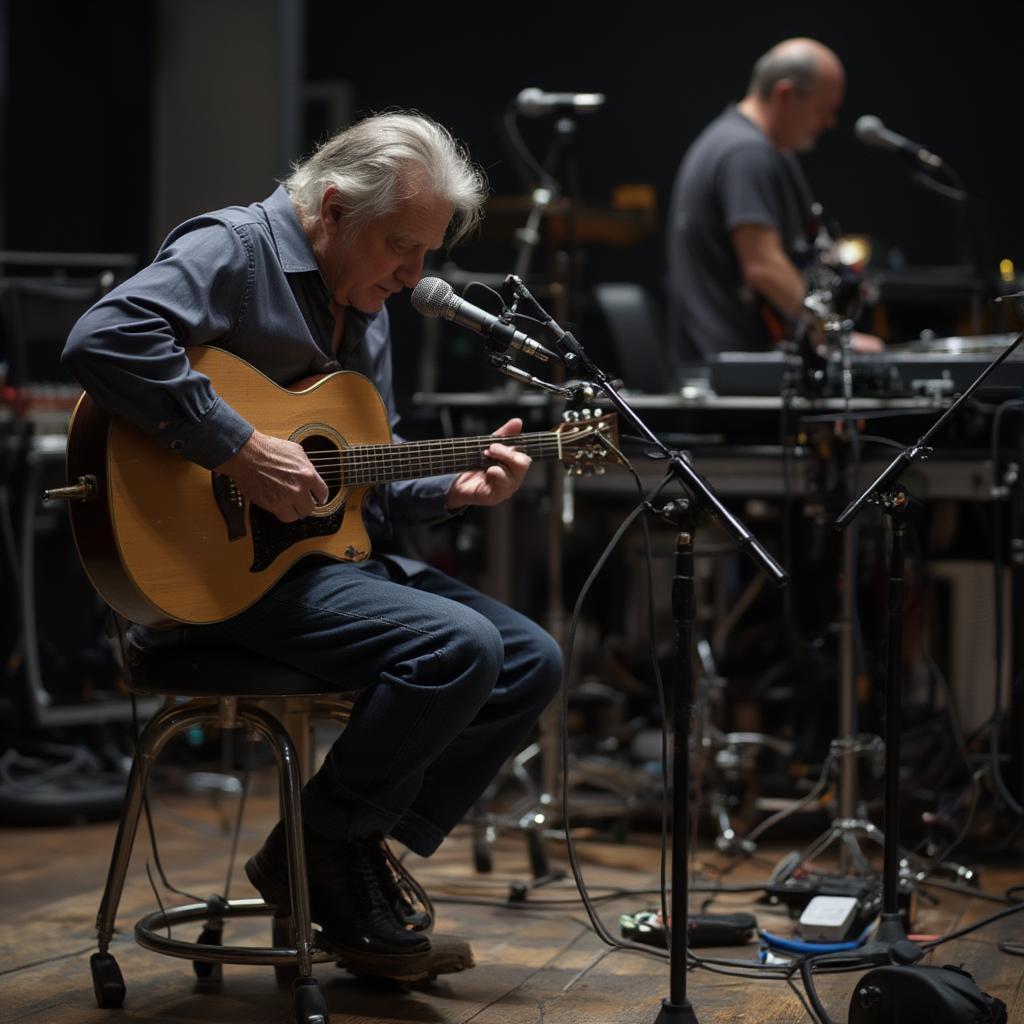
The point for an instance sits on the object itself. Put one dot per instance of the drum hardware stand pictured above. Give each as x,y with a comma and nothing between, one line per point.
844,830
847,828
890,942
680,513
725,754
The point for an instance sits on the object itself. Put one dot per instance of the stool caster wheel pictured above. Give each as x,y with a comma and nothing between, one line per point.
310,1006
206,971
281,935
483,859
107,981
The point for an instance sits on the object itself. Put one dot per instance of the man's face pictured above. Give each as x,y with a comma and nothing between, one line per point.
804,116
386,256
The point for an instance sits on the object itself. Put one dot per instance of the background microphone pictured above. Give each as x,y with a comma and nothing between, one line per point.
537,103
870,130
434,297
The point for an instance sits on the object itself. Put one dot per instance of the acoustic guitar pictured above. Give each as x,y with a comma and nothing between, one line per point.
164,540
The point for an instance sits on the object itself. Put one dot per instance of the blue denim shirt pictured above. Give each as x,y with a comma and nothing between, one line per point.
246,280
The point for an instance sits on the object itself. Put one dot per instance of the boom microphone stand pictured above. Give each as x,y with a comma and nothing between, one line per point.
677,1007
890,941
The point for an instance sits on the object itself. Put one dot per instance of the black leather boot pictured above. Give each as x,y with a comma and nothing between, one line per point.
347,899
409,901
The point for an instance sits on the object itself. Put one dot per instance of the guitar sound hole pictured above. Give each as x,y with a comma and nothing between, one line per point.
326,458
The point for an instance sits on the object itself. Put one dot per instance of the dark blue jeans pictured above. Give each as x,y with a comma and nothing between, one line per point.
451,682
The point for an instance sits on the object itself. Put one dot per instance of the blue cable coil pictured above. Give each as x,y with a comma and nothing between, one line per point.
798,946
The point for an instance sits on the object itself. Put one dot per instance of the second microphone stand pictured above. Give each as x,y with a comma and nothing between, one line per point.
890,942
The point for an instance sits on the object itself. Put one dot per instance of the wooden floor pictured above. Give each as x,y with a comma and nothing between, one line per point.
535,963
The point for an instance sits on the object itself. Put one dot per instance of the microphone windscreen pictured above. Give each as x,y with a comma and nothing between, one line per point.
431,296
868,128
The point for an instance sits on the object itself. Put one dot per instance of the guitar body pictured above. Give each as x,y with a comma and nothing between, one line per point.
164,540
162,545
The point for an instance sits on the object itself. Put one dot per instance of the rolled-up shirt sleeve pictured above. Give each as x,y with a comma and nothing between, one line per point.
128,351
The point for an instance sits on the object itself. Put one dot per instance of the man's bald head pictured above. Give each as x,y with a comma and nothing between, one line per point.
795,93
802,62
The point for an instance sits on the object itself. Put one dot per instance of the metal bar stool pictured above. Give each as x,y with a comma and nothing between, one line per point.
225,687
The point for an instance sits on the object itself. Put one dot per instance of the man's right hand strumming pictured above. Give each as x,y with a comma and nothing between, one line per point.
276,475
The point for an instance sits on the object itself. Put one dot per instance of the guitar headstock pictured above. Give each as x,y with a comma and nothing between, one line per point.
587,438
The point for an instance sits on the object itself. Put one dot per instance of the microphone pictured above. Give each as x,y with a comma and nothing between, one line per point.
537,103
434,297
870,130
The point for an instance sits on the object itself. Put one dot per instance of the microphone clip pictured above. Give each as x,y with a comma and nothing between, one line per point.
568,348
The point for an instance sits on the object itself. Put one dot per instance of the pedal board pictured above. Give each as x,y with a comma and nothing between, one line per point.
796,893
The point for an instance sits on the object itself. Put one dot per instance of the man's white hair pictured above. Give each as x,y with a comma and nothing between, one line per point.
384,159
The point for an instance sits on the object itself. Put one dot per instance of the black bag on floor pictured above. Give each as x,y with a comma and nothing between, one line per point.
938,995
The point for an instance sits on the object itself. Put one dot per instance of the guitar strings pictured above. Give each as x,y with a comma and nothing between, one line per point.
379,463
396,452
370,460
406,451
517,440
356,466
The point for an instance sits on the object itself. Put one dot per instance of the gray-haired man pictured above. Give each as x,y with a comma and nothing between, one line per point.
451,680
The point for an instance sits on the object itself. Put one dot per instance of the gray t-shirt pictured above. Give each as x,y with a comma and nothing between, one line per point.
731,176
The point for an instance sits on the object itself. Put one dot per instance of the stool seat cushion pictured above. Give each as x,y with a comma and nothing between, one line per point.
217,672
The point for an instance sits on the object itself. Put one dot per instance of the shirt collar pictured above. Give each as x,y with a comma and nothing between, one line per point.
293,246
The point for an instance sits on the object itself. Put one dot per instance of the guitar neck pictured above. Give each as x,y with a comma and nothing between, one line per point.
382,463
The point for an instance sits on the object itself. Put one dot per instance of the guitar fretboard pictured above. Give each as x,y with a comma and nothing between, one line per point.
382,463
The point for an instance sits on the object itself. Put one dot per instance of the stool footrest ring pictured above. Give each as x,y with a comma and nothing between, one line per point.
148,931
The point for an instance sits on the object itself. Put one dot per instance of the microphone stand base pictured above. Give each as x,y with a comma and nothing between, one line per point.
677,1013
889,945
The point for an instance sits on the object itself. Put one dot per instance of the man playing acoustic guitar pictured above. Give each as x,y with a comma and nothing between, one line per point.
450,680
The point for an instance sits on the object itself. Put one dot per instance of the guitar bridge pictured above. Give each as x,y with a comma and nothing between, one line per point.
231,504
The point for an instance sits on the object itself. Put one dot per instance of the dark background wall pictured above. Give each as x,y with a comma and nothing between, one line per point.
79,117
951,82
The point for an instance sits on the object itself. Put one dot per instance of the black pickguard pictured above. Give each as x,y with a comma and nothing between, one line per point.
271,537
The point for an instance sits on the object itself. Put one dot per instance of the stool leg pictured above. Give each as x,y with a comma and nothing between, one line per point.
290,774
107,980
164,724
